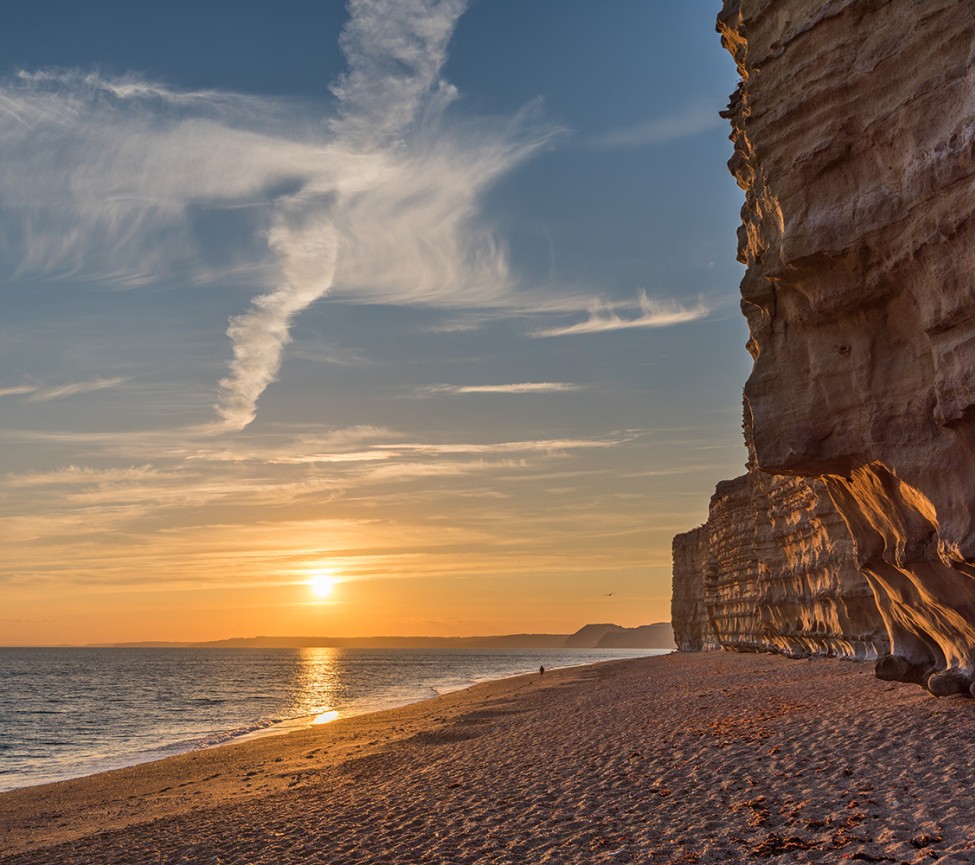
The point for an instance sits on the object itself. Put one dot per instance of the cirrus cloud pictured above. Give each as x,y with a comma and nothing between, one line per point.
45,394
652,314
120,181
524,387
689,120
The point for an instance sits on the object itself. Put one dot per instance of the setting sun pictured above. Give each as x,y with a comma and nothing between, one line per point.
351,443
322,585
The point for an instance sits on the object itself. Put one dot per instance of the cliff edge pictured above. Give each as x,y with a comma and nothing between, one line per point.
854,136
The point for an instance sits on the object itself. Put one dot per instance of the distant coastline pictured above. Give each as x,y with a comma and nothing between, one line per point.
597,636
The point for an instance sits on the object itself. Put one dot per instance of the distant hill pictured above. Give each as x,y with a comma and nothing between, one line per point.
658,636
588,637
606,636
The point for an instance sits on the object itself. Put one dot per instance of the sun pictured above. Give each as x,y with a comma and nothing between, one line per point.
322,584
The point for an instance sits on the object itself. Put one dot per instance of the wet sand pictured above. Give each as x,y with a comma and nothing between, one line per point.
675,759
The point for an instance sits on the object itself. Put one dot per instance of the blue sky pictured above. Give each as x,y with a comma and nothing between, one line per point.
438,299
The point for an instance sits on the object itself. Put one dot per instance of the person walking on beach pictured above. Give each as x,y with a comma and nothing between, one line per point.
541,670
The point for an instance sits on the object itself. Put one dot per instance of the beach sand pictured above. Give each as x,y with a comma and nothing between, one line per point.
717,757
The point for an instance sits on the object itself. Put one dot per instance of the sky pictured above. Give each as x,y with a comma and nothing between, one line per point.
428,305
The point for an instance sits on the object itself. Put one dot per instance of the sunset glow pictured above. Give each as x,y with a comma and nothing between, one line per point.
326,292
322,584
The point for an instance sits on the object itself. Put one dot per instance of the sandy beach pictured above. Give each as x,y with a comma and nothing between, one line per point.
676,759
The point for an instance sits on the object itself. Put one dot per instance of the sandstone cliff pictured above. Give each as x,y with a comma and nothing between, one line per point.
692,630
854,134
772,570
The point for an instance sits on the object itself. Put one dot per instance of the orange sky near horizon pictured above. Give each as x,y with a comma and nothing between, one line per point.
438,297
427,555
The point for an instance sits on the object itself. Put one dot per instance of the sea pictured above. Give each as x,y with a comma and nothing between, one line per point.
68,712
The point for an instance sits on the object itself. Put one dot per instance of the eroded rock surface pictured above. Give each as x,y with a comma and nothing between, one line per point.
688,614
772,570
854,133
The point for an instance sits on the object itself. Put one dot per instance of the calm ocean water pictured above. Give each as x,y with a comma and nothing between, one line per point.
71,712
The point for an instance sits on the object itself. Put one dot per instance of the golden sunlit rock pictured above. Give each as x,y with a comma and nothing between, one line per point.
854,149
772,570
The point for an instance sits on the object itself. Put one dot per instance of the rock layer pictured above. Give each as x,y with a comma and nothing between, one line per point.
854,134
689,615
772,570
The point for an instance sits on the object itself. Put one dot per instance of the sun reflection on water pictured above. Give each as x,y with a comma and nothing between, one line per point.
319,683
325,717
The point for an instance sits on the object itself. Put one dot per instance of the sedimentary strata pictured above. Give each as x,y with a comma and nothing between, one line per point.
772,570
688,614
854,134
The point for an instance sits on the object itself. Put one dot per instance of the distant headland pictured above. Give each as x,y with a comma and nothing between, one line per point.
602,636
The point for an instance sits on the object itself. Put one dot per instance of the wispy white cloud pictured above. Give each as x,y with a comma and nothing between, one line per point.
690,120
404,470
341,457
360,496
532,445
531,387
324,352
45,394
82,475
17,389
346,444
105,179
463,324
395,52
377,444
134,503
651,314
352,436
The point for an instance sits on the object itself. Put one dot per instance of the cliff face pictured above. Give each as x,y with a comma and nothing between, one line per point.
692,631
731,589
854,133
772,570
815,601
